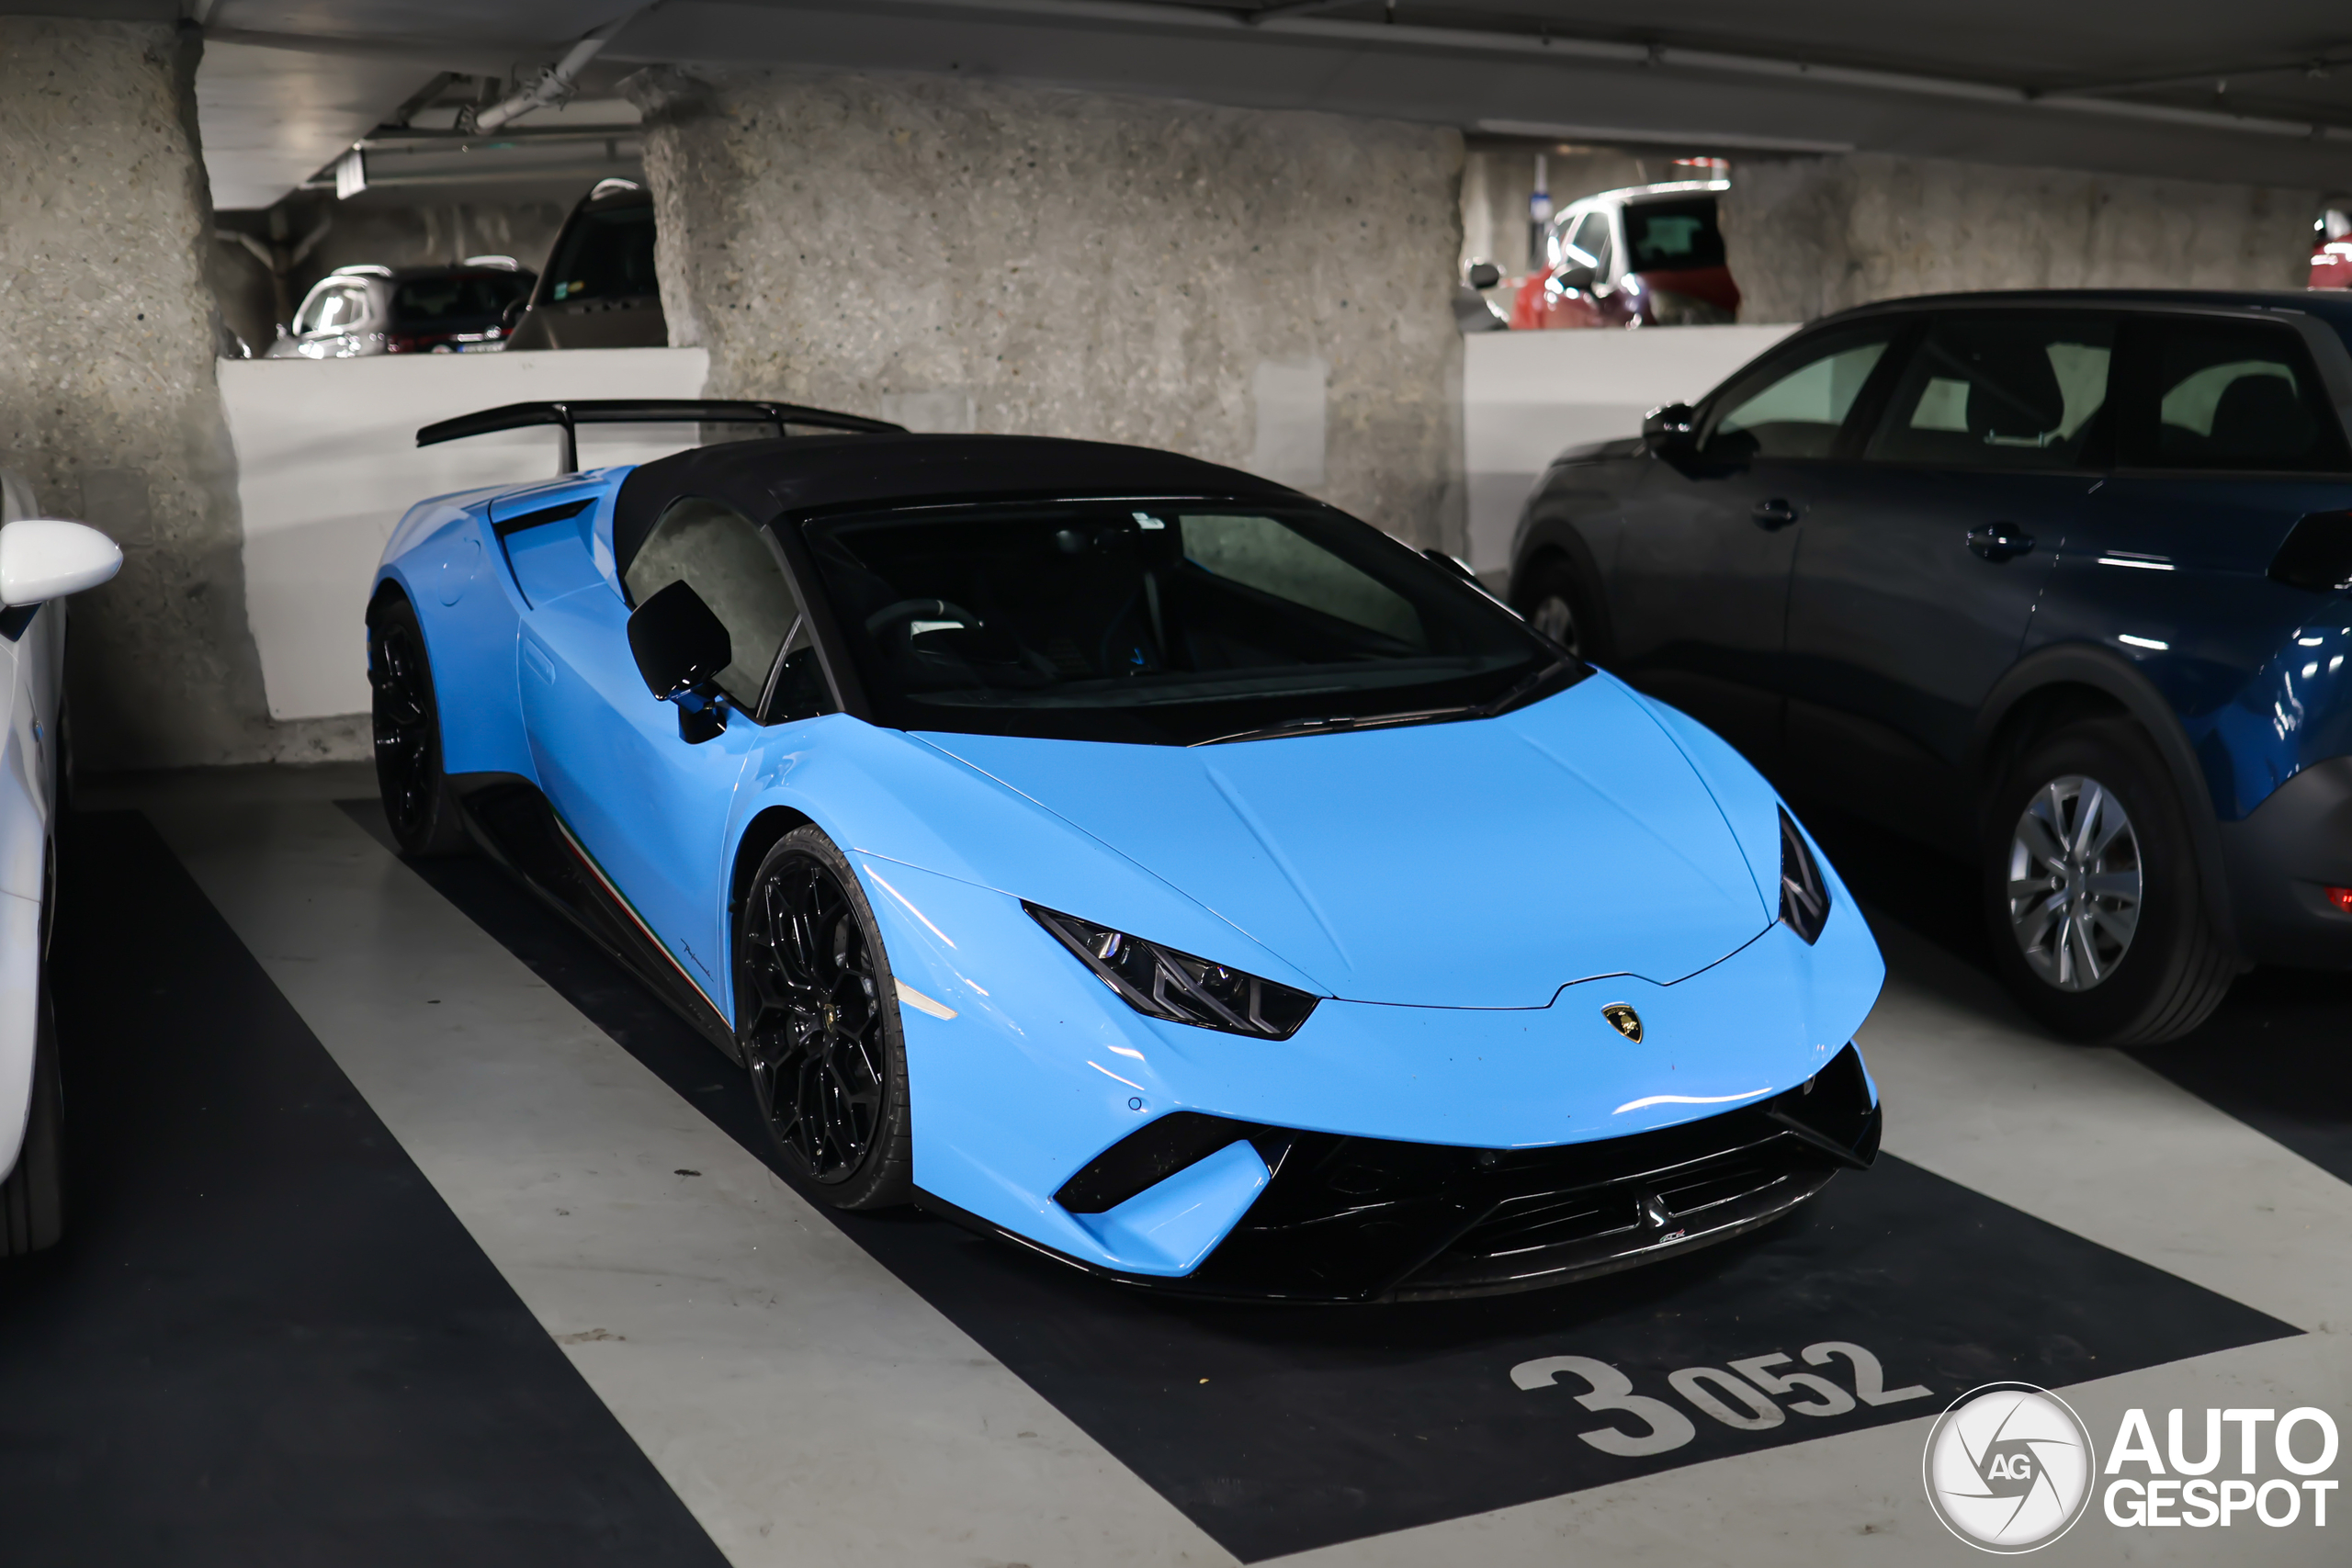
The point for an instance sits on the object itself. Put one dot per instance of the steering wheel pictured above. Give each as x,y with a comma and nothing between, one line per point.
892,627
911,610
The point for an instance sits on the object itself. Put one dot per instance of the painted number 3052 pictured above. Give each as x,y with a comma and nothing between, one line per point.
1747,1397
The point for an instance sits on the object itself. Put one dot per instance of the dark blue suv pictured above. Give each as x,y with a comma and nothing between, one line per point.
2054,580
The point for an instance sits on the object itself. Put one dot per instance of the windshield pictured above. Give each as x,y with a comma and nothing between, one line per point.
1674,236
464,300
1171,623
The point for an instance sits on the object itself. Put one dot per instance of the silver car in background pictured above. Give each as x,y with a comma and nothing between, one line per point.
367,309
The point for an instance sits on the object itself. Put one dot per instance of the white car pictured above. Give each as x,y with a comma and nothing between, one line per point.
41,561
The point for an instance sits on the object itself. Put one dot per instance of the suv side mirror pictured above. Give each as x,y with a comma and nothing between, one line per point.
47,557
680,648
1484,275
1672,431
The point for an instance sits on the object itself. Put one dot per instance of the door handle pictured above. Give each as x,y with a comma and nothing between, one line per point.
1774,514
1999,541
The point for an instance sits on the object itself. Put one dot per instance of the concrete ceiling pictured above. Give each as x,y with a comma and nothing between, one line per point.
2257,92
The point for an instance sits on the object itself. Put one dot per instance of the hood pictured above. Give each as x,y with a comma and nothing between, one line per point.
1478,864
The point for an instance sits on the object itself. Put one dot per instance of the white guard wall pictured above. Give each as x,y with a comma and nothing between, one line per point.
327,462
1528,396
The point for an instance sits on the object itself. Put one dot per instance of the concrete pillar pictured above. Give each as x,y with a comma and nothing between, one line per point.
1806,236
1266,289
107,399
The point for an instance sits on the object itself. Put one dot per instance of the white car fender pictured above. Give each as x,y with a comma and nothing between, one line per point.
20,1018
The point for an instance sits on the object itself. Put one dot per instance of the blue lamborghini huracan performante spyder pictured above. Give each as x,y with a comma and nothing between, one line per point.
1130,857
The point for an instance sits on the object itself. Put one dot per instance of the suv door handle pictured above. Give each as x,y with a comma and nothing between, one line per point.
1774,514
1999,541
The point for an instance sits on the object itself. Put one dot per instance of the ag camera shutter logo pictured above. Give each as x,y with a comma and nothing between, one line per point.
2009,1467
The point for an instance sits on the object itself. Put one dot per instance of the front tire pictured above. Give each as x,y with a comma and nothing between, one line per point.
2091,890
1556,601
406,718
819,1025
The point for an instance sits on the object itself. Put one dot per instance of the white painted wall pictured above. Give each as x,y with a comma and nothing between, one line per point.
1527,396
327,461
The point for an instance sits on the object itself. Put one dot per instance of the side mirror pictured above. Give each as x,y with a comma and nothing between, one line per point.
680,648
46,557
1671,431
1484,275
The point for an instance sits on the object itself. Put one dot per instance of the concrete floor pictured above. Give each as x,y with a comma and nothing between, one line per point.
409,1229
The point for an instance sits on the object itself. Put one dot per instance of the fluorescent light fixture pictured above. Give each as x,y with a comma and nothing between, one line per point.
2151,644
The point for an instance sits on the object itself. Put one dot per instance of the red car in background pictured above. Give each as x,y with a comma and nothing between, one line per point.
2331,252
1646,256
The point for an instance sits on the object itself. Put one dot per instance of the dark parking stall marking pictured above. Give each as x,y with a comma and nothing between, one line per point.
1282,1428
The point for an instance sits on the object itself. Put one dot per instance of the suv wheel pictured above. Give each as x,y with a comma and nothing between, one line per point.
1554,602
2097,915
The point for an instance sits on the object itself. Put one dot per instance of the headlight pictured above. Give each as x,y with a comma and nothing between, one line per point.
1160,982
1805,897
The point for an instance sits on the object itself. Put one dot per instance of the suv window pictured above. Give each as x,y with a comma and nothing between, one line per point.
456,301
1794,406
730,563
1590,239
1996,390
1673,236
2236,395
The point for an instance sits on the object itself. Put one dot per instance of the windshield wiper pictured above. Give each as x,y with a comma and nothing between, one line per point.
1338,723
1520,692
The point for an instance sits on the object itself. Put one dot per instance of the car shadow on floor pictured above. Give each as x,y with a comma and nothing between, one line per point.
1281,1427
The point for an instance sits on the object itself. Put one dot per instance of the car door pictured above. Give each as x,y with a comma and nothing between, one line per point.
2225,439
1699,585
649,806
1913,593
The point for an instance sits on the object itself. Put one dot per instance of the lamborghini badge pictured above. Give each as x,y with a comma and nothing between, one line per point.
1628,1021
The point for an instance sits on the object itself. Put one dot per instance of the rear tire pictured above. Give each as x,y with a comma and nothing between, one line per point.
406,718
32,1200
2098,914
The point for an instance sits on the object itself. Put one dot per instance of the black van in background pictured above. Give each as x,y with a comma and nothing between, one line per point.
598,290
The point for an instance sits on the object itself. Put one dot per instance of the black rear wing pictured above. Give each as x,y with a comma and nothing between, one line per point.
569,415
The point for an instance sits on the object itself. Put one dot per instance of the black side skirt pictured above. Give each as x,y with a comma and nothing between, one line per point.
515,826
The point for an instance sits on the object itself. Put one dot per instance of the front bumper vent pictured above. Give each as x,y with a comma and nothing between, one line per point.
1365,1219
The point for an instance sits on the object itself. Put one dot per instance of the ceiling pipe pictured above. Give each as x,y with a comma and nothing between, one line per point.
555,85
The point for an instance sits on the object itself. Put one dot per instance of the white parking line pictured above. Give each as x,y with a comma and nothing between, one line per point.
808,1406
811,1409
2092,1141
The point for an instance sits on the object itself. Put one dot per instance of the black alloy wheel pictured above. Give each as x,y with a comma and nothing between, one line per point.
819,1025
407,724
2091,890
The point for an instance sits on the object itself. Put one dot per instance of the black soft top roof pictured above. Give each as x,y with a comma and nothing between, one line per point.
764,479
